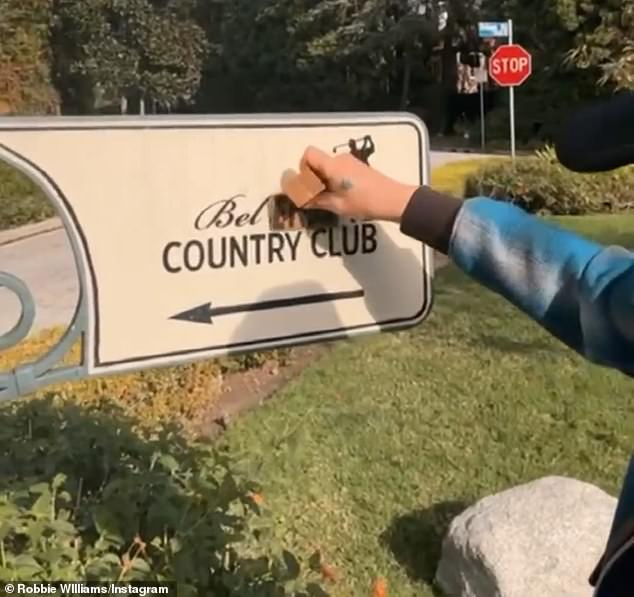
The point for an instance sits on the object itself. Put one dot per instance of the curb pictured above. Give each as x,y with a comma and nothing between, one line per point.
491,153
8,237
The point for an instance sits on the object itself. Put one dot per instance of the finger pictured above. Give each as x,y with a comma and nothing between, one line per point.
326,201
317,160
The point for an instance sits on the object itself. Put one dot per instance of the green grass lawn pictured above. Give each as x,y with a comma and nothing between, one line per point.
613,229
451,177
372,450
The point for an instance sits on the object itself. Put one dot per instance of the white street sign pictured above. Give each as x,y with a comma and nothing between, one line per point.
178,257
495,29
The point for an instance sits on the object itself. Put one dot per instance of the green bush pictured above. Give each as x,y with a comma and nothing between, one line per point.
540,184
21,201
182,394
85,495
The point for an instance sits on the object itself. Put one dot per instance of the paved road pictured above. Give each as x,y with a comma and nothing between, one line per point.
46,265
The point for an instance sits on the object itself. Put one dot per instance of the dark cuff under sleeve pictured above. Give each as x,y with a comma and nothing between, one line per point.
429,217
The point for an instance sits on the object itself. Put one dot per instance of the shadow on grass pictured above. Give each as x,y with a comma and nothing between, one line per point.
415,539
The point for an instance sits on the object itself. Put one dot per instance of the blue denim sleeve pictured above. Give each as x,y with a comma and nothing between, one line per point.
578,290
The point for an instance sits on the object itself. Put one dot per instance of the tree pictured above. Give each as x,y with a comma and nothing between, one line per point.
147,51
604,38
316,54
544,28
377,40
25,81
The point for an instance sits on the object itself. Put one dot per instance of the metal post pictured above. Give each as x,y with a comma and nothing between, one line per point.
512,100
482,126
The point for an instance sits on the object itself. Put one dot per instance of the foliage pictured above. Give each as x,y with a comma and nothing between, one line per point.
540,184
109,49
371,40
83,496
25,82
176,395
545,99
604,38
317,54
179,395
21,201
451,178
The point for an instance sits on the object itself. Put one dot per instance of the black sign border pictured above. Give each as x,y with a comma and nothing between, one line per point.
303,338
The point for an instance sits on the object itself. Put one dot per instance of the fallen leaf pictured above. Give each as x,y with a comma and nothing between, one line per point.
257,498
328,573
380,588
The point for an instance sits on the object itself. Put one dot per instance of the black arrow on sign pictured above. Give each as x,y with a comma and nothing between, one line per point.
205,313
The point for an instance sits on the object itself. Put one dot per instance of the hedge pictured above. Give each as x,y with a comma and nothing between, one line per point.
21,201
176,395
540,184
85,495
452,176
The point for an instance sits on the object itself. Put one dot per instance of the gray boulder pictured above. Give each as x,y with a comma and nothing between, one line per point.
541,539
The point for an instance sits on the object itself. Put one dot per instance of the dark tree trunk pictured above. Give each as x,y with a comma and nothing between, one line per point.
407,80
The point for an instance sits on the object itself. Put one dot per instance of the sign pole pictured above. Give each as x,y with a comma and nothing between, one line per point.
512,99
482,125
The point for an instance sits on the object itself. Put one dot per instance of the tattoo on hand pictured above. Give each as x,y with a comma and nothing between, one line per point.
346,184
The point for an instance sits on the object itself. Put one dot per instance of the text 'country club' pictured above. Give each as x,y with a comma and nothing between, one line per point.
255,248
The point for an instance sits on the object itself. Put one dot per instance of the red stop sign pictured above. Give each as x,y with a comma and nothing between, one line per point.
510,65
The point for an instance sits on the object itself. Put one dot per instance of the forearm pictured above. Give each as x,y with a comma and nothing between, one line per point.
537,267
576,289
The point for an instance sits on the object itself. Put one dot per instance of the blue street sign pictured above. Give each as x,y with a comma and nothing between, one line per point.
493,29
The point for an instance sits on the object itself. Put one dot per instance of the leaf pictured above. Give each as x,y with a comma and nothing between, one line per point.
169,462
255,567
292,565
59,480
106,522
5,529
140,565
34,530
228,490
175,545
314,562
111,558
104,566
380,588
52,555
39,488
63,526
257,498
42,506
8,510
328,572
314,590
27,565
